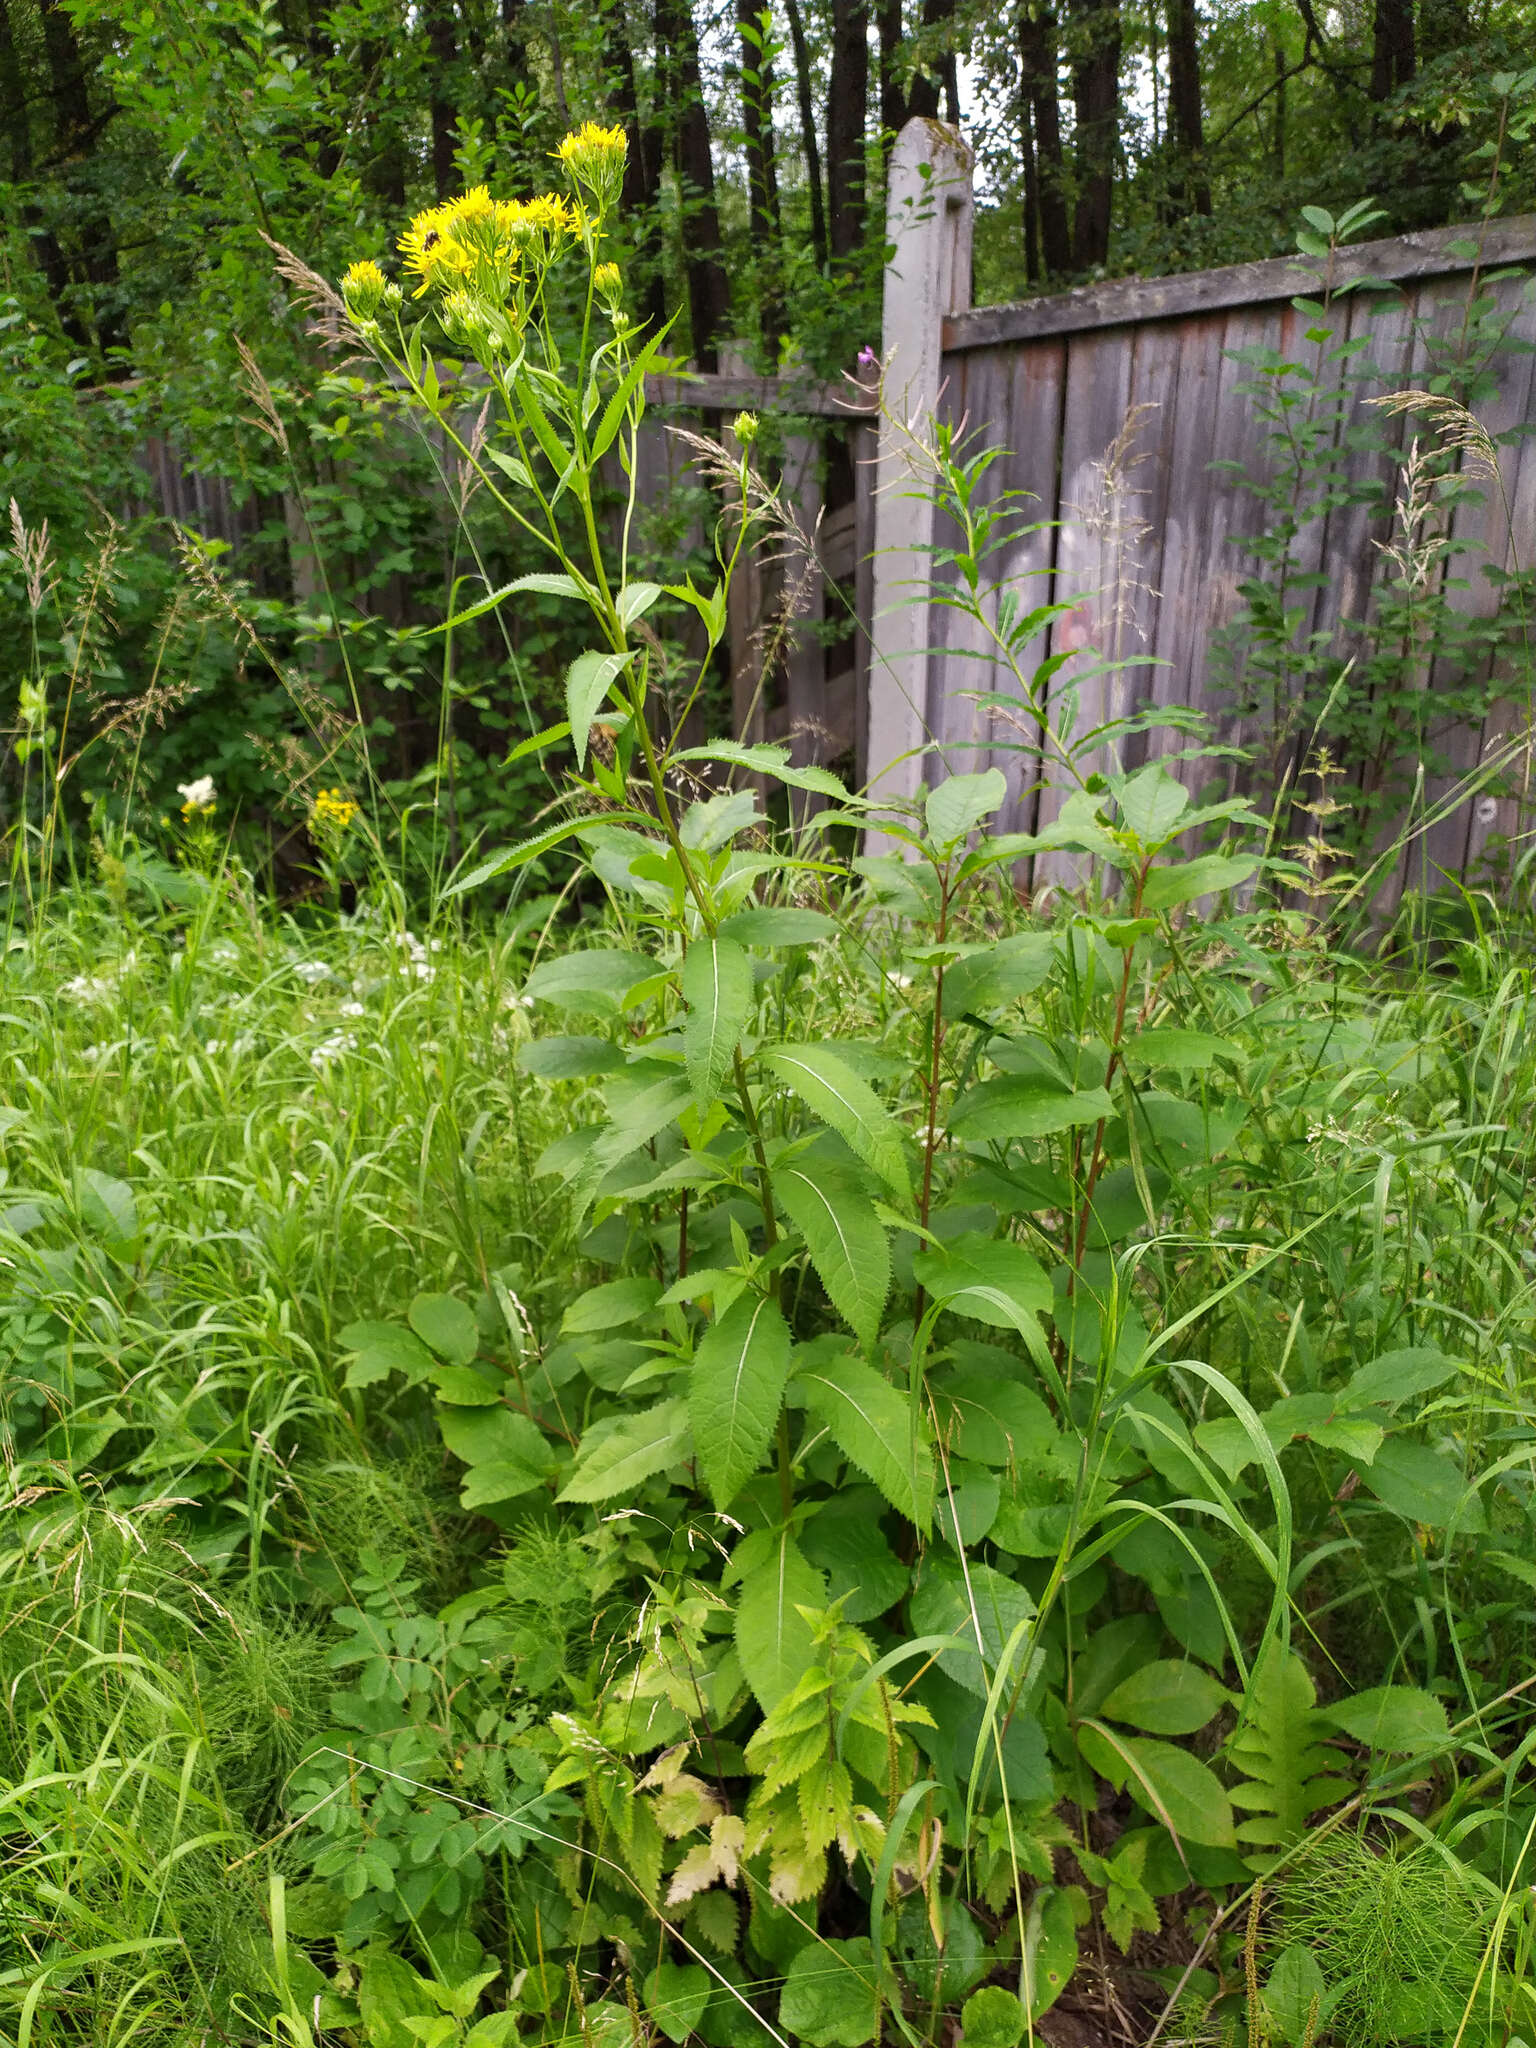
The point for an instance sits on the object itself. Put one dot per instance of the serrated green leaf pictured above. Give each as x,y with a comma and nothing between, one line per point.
1173,1786
1392,1717
768,924
828,1085
773,1638
845,1238
958,804
1027,1106
717,986
1167,1697
990,1279
445,1326
735,1393
871,1423
622,1451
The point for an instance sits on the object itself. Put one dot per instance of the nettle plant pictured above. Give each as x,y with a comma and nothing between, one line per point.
910,1548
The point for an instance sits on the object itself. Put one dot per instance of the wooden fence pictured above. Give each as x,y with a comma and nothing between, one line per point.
873,676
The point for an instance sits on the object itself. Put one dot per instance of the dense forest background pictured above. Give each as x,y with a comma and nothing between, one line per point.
150,150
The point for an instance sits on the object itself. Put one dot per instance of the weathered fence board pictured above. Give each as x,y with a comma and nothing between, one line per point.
1127,419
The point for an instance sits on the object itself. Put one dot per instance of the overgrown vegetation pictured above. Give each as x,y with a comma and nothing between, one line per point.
819,1454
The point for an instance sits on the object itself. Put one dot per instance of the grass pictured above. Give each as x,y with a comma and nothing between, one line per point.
233,1137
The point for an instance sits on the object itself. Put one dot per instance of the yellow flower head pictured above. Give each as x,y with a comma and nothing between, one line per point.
363,288
331,811
593,158
606,281
432,252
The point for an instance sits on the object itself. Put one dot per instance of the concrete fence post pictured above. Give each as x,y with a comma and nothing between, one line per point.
928,277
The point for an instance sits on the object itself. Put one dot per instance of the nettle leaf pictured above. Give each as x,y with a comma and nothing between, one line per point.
596,979
999,974
766,924
1421,1486
1027,1106
611,1306
978,1605
1173,1786
1210,875
773,1638
830,1998
1398,1376
1392,1717
1151,804
620,1452
383,1348
871,1423
587,683
828,1085
1187,1052
845,1238
446,1326
736,1391
957,806
568,1058
990,1279
1167,1697
717,986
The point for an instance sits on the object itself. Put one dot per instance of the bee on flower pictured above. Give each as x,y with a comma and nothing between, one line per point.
199,798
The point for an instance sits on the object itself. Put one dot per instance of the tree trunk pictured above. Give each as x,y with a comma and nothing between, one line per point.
442,46
639,201
1279,109
808,142
1031,191
1393,56
76,131
847,95
938,21
1096,94
1186,120
893,100
1038,83
755,28
709,288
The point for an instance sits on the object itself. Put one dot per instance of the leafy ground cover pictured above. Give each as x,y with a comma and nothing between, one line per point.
406,1634
816,1453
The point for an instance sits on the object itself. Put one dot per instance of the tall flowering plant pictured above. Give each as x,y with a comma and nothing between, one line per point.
485,269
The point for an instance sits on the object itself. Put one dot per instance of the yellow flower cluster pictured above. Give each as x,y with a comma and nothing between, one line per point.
331,811
484,259
478,243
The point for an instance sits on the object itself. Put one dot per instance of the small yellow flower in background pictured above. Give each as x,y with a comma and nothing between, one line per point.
363,288
198,798
332,811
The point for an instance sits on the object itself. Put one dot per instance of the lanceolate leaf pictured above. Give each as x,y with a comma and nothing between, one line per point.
846,1241
717,987
871,1423
587,682
828,1085
773,1639
738,1384
620,1452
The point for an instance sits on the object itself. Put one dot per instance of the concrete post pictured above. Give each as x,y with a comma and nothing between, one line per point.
928,276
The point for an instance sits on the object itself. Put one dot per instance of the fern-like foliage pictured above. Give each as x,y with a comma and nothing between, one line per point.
1287,1771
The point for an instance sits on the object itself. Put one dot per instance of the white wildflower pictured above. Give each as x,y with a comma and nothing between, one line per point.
311,971
333,1048
352,1009
199,794
87,988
